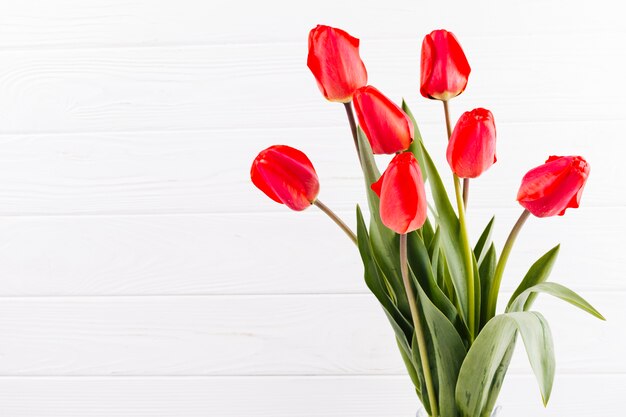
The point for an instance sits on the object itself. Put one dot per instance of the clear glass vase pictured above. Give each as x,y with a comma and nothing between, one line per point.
422,413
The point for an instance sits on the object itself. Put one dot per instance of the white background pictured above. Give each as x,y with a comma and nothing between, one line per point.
141,274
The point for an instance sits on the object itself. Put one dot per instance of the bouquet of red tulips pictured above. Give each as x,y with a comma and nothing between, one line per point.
438,291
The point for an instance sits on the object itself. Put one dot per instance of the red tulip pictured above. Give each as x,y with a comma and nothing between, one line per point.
402,195
387,127
335,62
555,186
472,146
444,67
286,176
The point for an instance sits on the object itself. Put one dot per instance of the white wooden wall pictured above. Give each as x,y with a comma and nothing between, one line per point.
141,274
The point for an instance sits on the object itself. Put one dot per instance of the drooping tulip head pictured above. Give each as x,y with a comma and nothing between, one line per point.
387,127
472,146
402,195
555,186
335,62
286,175
444,67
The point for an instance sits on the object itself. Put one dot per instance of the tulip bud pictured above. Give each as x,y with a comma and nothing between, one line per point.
402,195
335,62
387,127
472,146
444,67
286,176
555,186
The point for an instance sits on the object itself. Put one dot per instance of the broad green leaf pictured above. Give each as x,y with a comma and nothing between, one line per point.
376,282
446,218
434,249
477,296
486,271
415,356
498,379
410,367
446,351
417,139
385,244
523,302
483,364
427,232
482,246
538,272
421,270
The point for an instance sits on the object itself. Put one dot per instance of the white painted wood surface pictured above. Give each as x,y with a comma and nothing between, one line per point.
142,273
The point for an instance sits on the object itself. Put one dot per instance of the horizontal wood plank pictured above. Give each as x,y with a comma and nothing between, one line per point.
208,171
71,23
286,253
521,79
254,335
573,396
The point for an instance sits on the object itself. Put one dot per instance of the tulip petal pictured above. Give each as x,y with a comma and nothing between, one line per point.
552,188
286,176
335,63
386,126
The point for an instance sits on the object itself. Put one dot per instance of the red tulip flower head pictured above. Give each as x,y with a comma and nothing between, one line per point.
286,175
387,127
335,62
555,186
472,146
402,195
444,67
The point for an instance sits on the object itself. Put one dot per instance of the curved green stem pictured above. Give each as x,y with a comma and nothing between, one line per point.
337,220
447,113
419,331
506,251
466,181
465,191
469,265
350,114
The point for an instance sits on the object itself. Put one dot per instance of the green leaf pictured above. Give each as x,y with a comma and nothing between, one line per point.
445,351
410,367
377,283
415,147
523,302
421,270
434,249
450,228
384,242
486,271
483,365
538,272
446,218
482,246
498,379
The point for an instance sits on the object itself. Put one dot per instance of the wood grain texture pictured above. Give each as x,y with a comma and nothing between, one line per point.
70,23
208,171
254,335
142,275
573,396
271,253
269,85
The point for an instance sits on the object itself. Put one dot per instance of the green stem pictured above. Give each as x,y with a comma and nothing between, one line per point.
466,181
469,265
447,113
352,122
419,332
506,251
336,219
465,191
